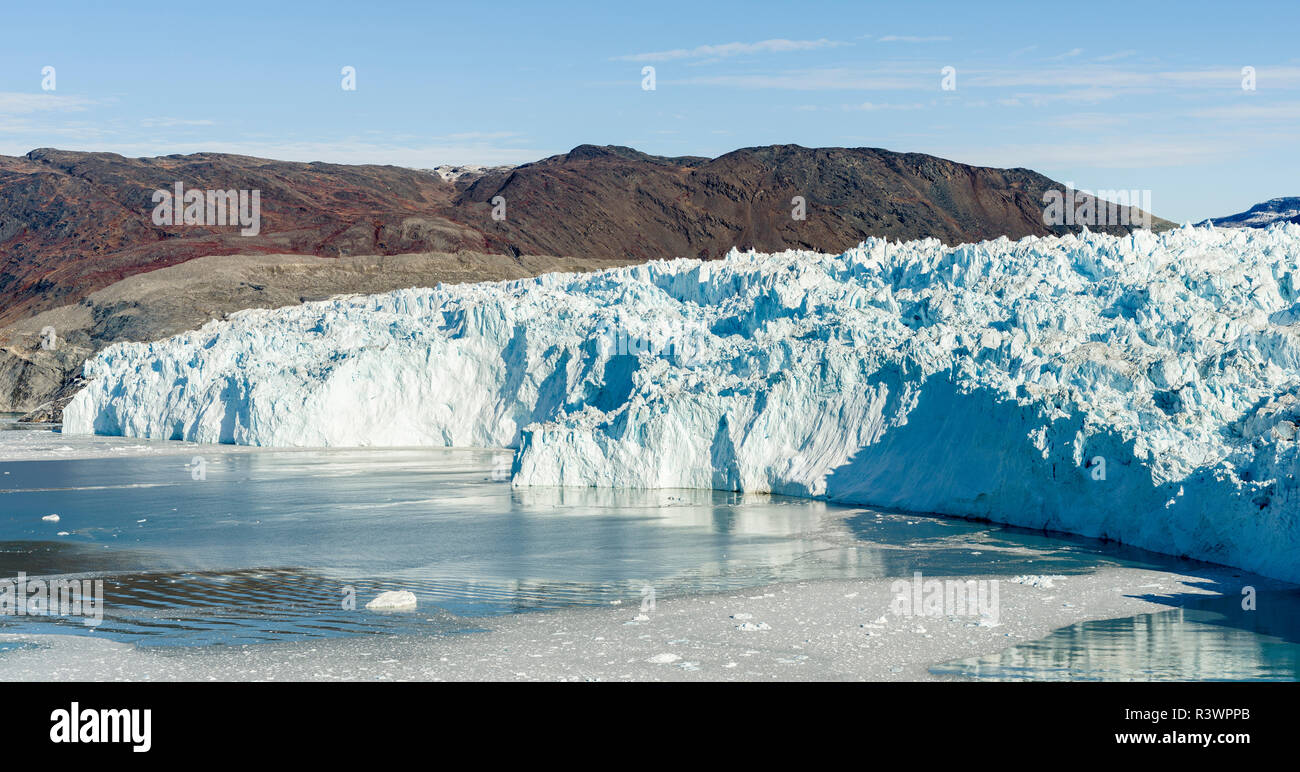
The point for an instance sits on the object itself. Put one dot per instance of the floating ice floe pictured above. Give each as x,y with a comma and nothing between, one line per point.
1037,580
393,600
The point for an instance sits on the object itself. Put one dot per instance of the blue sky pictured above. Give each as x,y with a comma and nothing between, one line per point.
1107,95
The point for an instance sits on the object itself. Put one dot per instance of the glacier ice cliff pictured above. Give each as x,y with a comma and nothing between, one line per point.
1143,388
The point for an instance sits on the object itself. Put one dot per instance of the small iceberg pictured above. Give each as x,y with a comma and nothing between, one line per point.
393,600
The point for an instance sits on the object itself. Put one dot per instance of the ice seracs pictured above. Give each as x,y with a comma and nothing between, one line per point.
1143,388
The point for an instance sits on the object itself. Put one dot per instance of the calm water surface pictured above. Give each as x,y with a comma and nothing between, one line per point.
266,545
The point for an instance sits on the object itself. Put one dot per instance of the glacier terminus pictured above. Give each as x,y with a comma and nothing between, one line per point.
1143,388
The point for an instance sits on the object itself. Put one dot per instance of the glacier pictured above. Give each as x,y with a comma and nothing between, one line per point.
1143,388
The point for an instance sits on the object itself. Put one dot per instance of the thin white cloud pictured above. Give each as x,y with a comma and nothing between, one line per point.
1082,82
1087,95
1116,55
1108,153
74,132
776,45
464,135
825,79
18,103
1073,52
878,106
1091,122
913,39
1284,111
1109,77
166,123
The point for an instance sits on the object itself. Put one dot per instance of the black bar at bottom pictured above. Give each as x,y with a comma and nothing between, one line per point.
238,722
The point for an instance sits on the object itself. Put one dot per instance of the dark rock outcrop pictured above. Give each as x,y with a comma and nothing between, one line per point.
76,228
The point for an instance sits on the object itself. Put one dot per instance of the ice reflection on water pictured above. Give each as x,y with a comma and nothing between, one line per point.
263,548
1212,638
